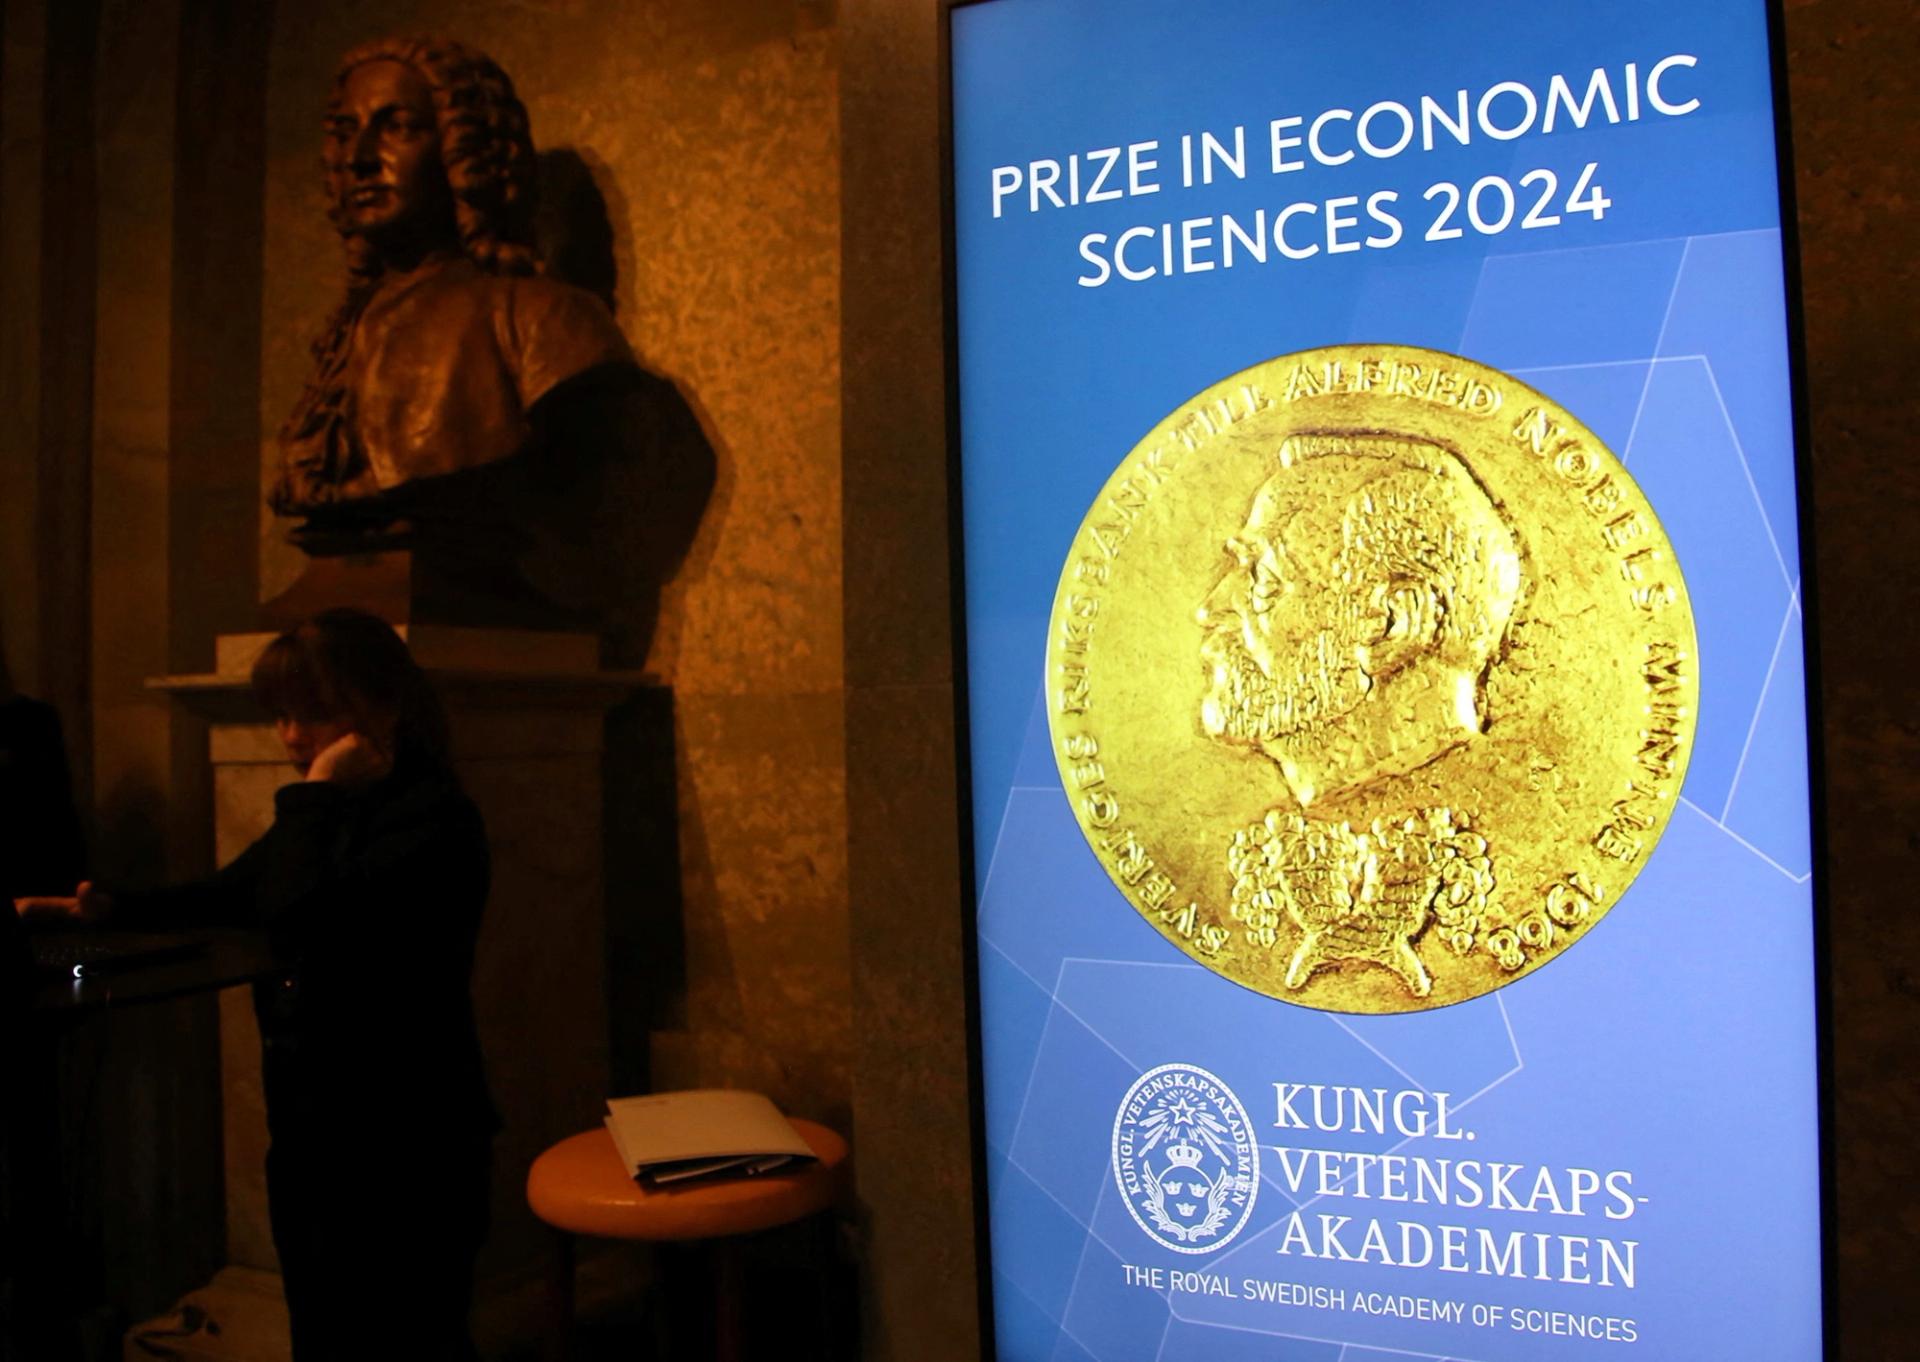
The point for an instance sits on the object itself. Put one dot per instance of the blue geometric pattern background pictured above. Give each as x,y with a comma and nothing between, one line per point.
1080,997
1676,1043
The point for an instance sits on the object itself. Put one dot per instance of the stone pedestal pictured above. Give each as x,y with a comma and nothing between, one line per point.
527,713
472,580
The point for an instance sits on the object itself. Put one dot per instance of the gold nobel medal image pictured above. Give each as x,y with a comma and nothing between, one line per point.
1371,678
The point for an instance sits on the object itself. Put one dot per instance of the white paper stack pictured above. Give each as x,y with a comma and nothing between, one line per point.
667,1137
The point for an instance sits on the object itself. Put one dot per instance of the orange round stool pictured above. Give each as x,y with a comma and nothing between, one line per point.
580,1186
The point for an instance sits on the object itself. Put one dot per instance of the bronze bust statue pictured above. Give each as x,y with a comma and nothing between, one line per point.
449,337
476,444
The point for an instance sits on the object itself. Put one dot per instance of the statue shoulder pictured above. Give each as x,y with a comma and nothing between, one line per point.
552,331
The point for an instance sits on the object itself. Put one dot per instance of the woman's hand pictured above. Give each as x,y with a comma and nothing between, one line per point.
352,760
88,905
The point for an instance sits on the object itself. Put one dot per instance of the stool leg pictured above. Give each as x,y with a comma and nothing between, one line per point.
660,1295
689,1301
831,1317
728,1300
560,1299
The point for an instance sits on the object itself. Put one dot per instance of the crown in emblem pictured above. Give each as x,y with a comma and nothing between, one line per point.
1184,1155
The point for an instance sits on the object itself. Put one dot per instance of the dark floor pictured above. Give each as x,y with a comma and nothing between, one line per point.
625,1332
639,1303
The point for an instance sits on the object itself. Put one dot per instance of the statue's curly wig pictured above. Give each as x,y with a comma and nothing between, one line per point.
486,150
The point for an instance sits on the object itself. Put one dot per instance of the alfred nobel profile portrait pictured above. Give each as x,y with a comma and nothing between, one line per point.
1349,637
449,337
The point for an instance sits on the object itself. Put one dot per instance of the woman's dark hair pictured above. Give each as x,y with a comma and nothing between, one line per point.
350,662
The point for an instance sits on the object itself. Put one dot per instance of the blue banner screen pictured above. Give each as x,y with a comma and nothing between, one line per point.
1614,1154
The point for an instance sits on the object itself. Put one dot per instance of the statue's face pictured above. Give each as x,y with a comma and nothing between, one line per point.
383,154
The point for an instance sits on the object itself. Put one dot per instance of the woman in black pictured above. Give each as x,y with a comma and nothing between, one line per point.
369,886
40,853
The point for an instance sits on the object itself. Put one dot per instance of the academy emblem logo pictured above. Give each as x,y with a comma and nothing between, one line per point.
1184,1157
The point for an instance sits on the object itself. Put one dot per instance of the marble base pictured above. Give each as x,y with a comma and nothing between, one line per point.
444,648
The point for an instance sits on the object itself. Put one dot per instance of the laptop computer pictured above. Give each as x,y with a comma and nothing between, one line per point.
85,955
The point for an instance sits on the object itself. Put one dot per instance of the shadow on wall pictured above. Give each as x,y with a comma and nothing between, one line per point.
624,476
572,227
622,471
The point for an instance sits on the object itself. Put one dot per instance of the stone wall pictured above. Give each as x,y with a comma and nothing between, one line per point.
1854,76
709,133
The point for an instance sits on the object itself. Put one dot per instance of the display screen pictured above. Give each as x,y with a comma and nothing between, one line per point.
1386,688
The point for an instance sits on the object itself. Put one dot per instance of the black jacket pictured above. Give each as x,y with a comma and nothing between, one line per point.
40,846
40,850
371,898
